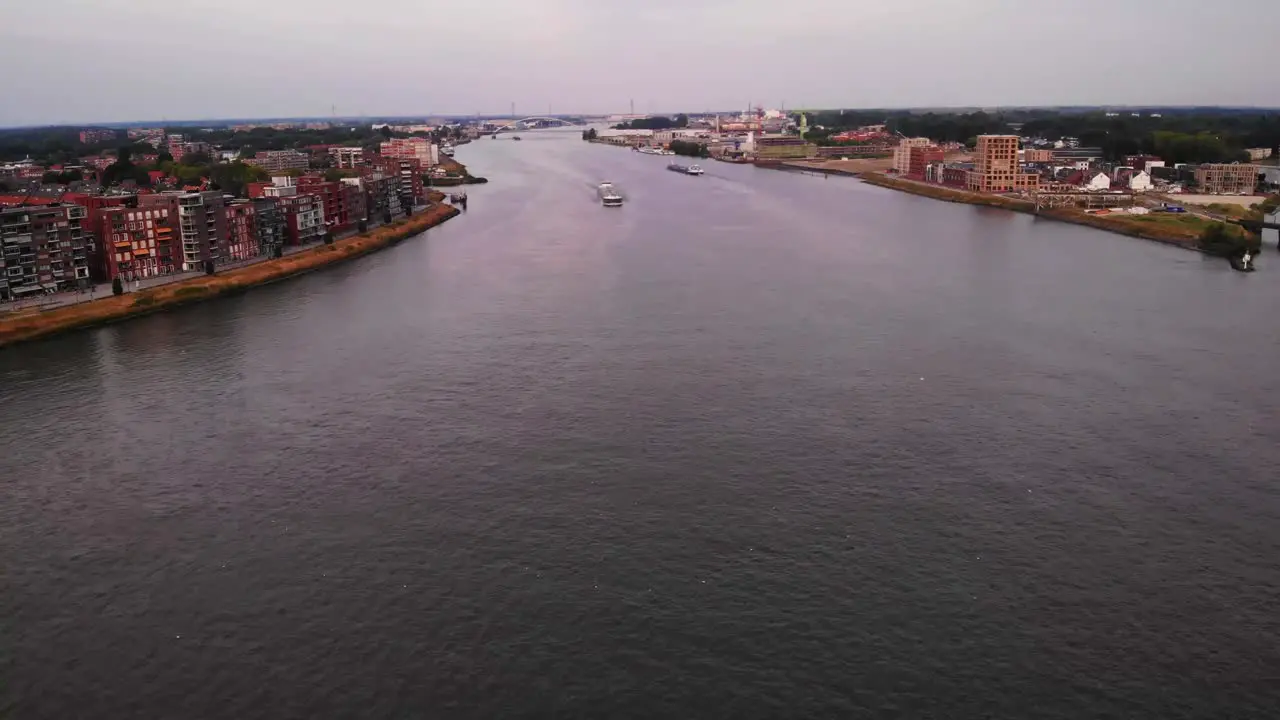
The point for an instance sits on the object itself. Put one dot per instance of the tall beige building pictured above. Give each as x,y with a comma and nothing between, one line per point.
996,168
1218,179
902,153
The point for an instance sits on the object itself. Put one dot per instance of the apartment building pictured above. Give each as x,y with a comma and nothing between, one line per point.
1224,179
920,158
408,173
996,168
902,153
276,160
269,226
179,150
96,136
242,230
382,196
139,241
344,205
43,249
202,227
346,158
783,147
303,218
1037,155
413,148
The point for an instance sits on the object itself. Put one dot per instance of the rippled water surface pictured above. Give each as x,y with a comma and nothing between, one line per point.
754,445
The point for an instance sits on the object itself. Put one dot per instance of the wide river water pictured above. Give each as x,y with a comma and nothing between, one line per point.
755,445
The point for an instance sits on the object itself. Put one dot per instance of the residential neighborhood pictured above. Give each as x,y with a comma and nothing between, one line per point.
69,226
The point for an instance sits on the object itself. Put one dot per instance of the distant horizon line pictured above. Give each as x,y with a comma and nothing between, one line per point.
124,124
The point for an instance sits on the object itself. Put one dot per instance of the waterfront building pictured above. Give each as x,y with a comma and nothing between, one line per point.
783,147
276,160
344,206
43,249
411,190
303,218
1226,179
138,242
242,230
920,158
996,168
382,196
902,153
202,226
1256,154
269,225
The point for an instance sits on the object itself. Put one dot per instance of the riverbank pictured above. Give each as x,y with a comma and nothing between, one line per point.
1179,230
35,324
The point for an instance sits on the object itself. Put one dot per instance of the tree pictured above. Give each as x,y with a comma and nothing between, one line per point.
589,134
386,131
197,158
1222,240
164,157
117,287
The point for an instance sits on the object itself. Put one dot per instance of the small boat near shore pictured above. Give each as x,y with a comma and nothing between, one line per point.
649,151
609,195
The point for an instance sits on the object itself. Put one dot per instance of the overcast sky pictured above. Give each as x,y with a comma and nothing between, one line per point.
80,61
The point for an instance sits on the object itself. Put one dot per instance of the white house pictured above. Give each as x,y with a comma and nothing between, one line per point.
1140,182
1099,182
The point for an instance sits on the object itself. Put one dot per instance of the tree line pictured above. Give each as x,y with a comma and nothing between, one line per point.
1191,135
654,122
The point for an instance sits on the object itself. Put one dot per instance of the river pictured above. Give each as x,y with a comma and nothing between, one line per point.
756,444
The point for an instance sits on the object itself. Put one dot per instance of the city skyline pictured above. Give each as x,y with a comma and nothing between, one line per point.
383,58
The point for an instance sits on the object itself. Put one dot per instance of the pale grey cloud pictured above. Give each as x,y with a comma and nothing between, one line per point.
105,60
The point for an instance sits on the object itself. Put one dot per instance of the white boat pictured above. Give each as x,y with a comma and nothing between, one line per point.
694,170
666,152
649,151
609,195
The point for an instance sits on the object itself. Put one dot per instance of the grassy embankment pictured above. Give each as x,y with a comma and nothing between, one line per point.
1179,229
33,324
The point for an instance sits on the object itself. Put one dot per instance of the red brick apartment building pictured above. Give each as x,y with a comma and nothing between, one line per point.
242,235
344,204
920,158
138,242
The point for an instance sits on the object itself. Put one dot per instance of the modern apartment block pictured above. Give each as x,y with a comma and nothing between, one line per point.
269,225
242,230
344,206
382,196
346,158
275,160
413,148
180,150
902,153
43,249
920,157
139,242
996,168
202,227
1224,179
409,174
303,218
